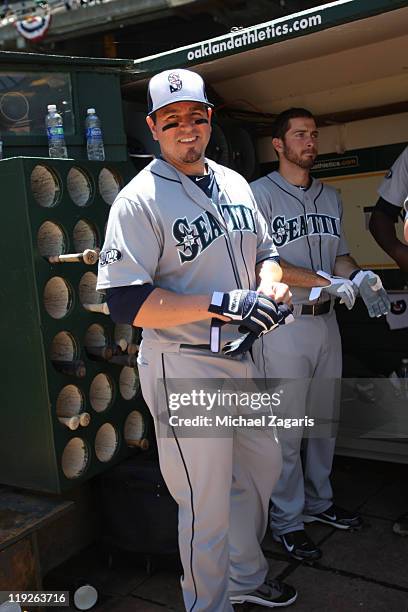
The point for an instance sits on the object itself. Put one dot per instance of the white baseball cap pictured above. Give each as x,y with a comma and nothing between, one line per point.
177,85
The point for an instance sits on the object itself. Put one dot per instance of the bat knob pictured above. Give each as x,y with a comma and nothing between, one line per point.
90,256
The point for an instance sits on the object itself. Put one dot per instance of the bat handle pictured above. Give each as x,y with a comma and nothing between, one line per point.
102,308
142,444
84,419
70,422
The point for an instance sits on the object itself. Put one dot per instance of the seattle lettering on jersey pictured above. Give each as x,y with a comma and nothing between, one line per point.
285,231
193,237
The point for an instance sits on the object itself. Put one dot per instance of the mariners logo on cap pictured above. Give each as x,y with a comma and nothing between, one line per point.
175,82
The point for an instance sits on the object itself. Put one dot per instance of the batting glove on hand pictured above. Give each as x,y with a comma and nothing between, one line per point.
252,311
243,344
341,288
370,288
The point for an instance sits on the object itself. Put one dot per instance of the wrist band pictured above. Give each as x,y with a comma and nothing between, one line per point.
216,302
354,273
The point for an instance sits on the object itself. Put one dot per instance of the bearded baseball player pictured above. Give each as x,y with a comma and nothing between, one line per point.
393,193
185,245
305,221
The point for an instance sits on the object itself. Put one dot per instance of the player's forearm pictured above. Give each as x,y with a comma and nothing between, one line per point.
163,308
294,276
267,272
406,230
268,276
344,266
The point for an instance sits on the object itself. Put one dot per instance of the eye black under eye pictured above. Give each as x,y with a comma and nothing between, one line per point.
201,121
169,126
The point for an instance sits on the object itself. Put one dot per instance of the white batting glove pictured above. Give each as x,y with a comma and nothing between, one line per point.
370,288
340,287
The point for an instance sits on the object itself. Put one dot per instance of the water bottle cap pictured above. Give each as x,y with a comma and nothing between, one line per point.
52,107
91,111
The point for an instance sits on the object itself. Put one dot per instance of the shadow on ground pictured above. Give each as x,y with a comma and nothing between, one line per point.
361,570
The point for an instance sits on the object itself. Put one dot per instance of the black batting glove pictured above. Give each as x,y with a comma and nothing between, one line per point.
245,342
252,311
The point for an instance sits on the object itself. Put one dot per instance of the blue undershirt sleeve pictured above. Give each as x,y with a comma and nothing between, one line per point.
125,302
388,209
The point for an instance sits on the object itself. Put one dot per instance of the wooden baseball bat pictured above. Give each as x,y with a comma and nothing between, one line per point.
84,419
89,257
143,444
71,368
70,422
102,308
116,349
123,343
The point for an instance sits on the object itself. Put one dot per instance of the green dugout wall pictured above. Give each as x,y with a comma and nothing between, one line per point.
61,362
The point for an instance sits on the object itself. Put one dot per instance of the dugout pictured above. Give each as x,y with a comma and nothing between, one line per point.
346,62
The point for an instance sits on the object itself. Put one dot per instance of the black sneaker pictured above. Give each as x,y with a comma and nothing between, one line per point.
336,517
401,525
299,546
271,594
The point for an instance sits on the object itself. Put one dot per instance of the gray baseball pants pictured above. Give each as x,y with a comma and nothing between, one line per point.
222,484
308,350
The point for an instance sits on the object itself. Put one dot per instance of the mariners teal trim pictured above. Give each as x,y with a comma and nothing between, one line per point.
320,237
264,34
304,216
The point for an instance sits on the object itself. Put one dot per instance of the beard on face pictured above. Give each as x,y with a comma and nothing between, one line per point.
305,163
191,156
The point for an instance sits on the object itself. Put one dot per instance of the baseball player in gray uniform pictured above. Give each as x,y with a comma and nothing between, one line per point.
305,220
185,244
393,193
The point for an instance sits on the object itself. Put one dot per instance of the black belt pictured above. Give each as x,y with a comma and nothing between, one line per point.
316,309
199,347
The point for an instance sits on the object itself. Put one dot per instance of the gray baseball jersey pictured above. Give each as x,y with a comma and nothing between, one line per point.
306,228
164,230
394,188
305,225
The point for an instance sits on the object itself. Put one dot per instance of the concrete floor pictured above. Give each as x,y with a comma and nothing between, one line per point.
361,570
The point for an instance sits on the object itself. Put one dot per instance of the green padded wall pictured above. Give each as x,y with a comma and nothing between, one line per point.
51,207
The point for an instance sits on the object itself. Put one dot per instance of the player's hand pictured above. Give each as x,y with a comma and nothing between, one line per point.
277,291
244,343
252,311
370,288
342,288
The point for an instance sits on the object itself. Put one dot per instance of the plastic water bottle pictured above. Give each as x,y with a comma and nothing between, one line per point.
403,375
94,141
55,133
